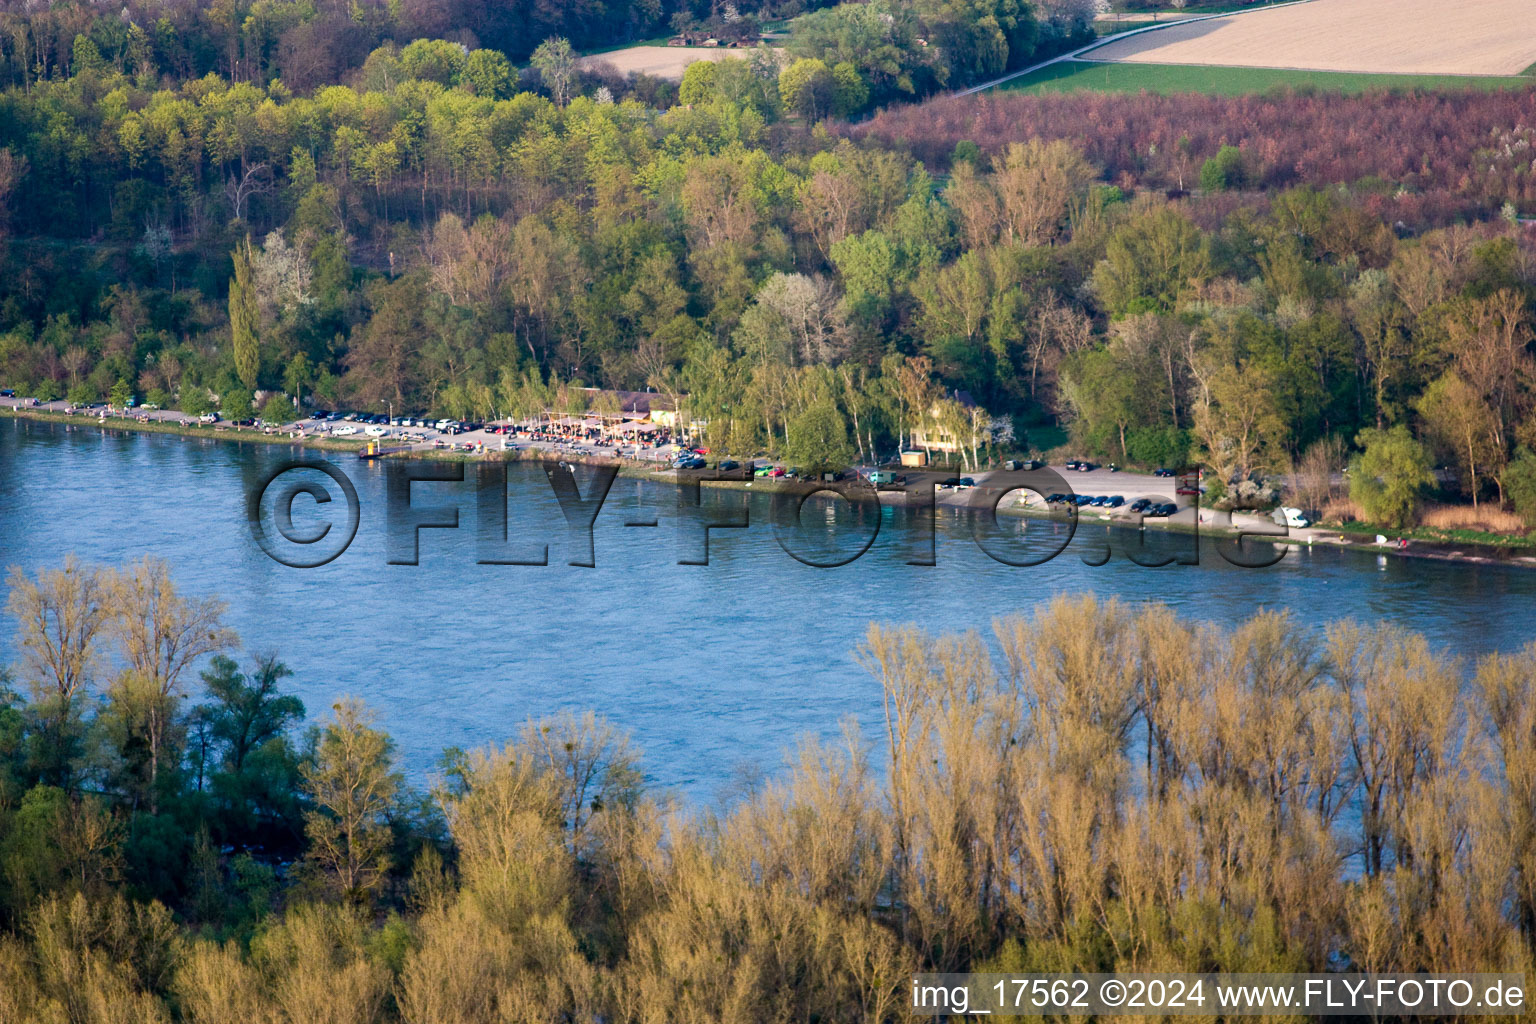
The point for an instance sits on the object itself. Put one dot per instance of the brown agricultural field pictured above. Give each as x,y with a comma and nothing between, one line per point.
1467,37
658,61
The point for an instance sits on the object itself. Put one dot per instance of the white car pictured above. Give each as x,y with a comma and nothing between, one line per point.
1293,517
375,431
342,431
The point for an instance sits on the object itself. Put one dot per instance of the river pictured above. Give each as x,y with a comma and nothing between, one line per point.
711,668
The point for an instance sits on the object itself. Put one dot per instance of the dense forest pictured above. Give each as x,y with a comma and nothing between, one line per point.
195,216
1113,789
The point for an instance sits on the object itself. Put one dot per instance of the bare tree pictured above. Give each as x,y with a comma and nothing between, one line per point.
353,783
60,619
253,180
161,635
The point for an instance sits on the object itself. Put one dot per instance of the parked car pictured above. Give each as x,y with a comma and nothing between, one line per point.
344,431
1162,472
728,465
1114,501
1295,518
1158,511
208,417
7,393
1141,504
1072,464
1083,499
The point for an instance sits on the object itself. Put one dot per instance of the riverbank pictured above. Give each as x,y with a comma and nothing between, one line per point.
1504,550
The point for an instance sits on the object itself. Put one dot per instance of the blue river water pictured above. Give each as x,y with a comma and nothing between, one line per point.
711,668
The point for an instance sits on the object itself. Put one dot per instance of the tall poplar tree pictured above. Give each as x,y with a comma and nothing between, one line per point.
244,320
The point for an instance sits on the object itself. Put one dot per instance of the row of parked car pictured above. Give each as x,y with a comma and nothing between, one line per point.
1145,506
374,419
1084,466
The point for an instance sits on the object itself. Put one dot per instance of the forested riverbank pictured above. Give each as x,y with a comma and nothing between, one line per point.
426,225
1101,788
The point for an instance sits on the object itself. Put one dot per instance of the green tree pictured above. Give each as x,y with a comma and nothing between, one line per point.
556,63
434,60
1105,400
194,400
698,84
1457,417
1387,479
489,74
244,316
298,375
254,769
850,93
278,410
818,438
879,39
808,88
1227,169
1151,262
1520,484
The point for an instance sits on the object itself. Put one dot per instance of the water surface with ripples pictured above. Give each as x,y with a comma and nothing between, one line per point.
710,667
